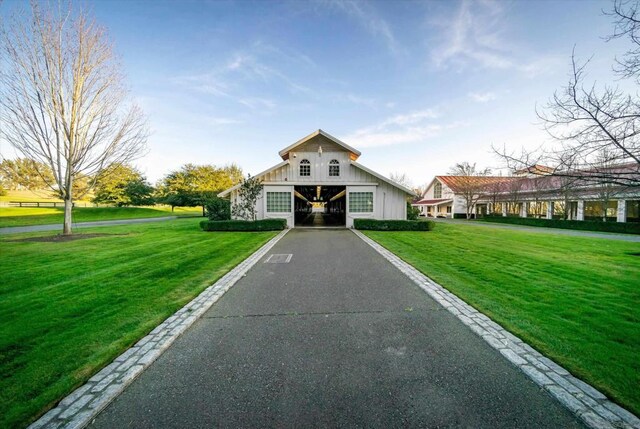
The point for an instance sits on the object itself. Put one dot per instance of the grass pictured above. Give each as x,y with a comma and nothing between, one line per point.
24,216
43,195
69,308
575,299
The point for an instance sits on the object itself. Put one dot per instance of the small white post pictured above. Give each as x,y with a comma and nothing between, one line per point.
580,214
549,209
523,209
622,211
504,209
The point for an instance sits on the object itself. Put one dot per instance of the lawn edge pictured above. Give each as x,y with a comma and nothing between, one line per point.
582,399
8,230
80,407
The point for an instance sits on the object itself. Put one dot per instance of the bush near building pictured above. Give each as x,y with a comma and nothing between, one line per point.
393,225
244,225
583,225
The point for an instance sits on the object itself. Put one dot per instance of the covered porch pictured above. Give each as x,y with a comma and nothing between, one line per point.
440,207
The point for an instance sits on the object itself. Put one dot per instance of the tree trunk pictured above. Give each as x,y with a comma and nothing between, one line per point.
203,213
68,206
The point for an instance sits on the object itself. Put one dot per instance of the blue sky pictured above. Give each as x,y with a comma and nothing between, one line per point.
416,86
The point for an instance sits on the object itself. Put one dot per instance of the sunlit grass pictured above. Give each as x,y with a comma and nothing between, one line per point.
575,299
24,216
69,308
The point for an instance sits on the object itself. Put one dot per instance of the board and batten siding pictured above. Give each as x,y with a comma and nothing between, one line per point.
389,202
319,170
289,216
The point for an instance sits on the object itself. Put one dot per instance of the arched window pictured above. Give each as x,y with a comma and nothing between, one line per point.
334,168
437,190
305,168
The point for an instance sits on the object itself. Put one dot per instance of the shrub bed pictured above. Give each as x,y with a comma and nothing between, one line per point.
393,225
244,225
584,225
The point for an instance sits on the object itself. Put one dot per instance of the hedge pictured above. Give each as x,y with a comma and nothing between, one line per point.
584,225
244,225
393,225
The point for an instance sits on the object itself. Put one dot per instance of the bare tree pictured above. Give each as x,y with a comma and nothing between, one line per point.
605,191
567,189
587,119
627,24
494,193
470,184
62,98
514,196
420,190
401,179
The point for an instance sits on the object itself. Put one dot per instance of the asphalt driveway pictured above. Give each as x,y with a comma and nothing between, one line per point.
336,337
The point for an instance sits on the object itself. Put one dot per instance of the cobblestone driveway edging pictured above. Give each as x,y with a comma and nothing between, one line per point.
579,397
80,407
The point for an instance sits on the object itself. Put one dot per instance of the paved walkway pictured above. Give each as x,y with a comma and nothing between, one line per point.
543,230
336,337
58,226
321,220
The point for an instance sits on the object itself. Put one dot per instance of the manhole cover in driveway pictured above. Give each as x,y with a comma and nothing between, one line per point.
279,258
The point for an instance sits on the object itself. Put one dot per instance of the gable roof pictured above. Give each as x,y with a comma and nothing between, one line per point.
284,153
433,202
269,170
458,183
384,179
535,169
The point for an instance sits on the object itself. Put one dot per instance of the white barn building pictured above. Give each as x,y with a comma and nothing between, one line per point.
532,195
319,182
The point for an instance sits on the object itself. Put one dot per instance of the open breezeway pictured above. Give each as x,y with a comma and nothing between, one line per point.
336,336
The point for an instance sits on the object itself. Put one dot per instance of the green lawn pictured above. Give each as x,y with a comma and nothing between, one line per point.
575,299
23,216
69,308
42,195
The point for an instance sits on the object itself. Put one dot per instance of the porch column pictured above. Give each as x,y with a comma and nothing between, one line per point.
580,214
622,210
523,209
549,209
504,209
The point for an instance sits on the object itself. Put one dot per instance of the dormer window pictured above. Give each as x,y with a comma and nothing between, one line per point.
334,168
305,168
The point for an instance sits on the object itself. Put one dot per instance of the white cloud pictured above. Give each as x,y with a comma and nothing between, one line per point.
223,121
208,83
257,103
413,127
367,138
410,118
475,36
369,19
482,97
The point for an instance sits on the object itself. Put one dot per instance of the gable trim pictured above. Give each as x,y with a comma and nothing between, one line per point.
259,175
284,152
384,179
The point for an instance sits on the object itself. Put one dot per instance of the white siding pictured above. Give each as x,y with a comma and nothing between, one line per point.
389,201
376,204
277,188
447,193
